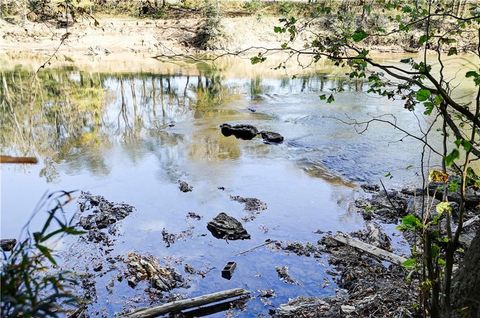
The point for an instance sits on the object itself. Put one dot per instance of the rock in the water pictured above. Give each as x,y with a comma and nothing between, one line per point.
246,132
270,136
282,272
251,204
224,226
370,187
184,187
103,212
8,244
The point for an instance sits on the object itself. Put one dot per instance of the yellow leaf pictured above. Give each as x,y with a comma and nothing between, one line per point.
444,207
438,176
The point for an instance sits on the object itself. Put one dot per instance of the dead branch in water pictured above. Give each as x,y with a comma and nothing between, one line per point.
26,160
178,305
385,255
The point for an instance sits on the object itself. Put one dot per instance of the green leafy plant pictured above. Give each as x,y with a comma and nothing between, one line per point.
32,284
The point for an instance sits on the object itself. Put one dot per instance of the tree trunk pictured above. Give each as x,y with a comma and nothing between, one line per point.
466,282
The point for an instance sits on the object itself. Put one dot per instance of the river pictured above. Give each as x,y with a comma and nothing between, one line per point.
132,136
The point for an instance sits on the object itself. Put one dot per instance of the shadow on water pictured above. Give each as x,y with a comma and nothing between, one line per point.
131,137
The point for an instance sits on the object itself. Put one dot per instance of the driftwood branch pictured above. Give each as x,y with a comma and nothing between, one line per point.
178,305
9,159
385,255
267,242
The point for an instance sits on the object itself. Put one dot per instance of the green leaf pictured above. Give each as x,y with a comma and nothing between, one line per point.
455,154
438,100
46,252
323,97
410,223
406,60
330,99
422,95
453,186
410,263
359,35
278,29
407,9
428,108
72,231
466,145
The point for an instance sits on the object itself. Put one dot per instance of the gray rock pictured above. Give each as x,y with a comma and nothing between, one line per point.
251,204
224,226
246,132
283,274
270,136
184,187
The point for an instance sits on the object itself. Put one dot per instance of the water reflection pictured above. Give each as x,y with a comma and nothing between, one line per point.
131,137
77,119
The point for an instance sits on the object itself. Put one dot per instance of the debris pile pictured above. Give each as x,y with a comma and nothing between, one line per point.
147,268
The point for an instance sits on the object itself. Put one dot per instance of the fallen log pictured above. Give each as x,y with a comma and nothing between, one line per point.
178,305
385,255
25,160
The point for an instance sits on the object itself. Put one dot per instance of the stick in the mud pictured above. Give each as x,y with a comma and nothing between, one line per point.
187,303
468,222
10,159
385,255
255,247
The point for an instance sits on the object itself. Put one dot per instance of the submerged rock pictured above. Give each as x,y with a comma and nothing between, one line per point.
224,226
7,244
270,136
298,248
184,187
251,204
282,272
246,132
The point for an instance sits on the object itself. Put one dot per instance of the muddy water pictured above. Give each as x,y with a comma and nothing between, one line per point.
131,137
